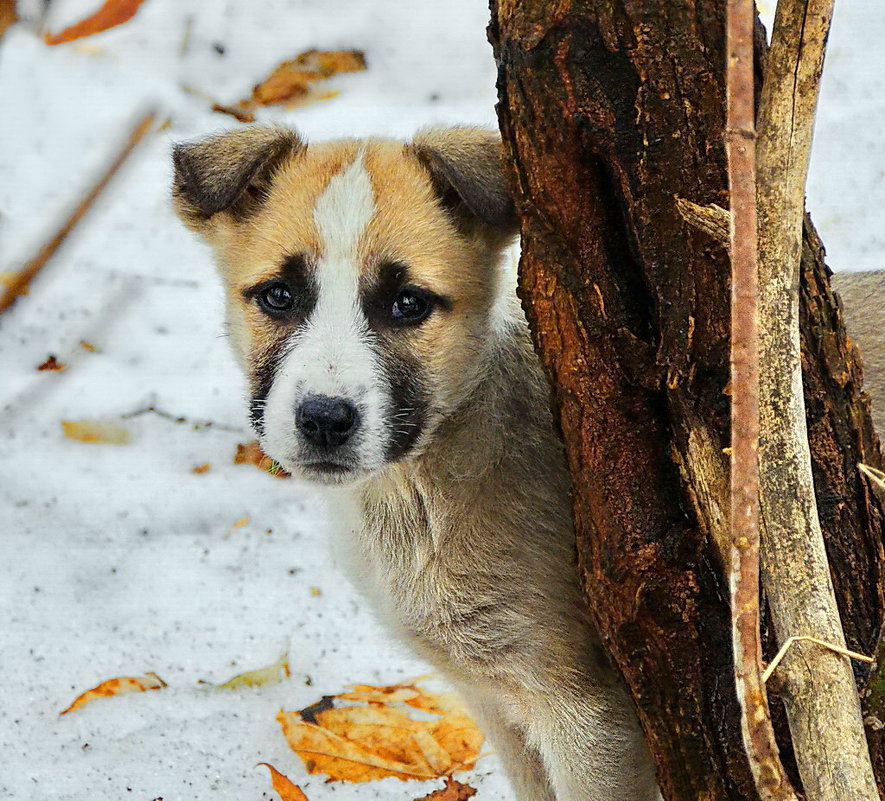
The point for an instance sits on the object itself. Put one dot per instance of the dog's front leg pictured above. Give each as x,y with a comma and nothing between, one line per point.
592,745
522,762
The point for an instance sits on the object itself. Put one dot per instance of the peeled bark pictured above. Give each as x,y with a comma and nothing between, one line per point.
609,111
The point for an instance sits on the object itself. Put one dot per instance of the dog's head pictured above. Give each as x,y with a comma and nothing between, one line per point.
360,278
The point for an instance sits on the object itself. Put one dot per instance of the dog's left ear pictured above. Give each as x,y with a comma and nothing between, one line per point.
467,169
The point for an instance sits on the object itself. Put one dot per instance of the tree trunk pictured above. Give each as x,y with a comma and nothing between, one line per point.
609,111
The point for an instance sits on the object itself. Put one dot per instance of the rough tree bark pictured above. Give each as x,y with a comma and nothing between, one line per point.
610,109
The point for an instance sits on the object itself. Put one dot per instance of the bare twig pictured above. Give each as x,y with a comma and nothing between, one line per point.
19,284
789,643
758,734
819,690
196,425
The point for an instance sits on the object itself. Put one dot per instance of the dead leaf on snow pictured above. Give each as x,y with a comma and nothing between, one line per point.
119,686
453,791
284,787
111,14
89,346
251,453
200,469
271,674
96,431
52,363
291,82
375,737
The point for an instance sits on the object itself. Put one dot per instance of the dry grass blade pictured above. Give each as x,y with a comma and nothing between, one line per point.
20,283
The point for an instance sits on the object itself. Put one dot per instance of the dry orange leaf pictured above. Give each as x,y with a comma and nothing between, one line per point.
120,686
202,468
88,346
292,79
52,363
111,14
292,82
251,453
375,737
284,787
453,791
96,431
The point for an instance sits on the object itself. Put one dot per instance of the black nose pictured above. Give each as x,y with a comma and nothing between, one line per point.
326,422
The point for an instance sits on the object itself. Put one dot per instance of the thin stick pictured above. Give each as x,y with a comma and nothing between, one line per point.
758,734
819,691
19,284
836,648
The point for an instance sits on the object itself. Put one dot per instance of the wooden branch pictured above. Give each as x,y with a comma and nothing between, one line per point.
19,284
756,727
819,690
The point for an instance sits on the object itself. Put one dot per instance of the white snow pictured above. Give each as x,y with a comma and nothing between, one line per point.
117,560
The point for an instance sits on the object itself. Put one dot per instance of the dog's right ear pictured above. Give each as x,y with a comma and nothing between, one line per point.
229,172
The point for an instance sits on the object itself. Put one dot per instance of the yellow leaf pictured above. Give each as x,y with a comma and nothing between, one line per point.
271,674
119,686
287,791
96,431
375,738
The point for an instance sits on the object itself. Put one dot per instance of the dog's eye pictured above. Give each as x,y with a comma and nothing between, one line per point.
276,298
411,306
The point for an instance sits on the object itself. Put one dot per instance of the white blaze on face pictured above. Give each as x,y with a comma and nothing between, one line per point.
332,355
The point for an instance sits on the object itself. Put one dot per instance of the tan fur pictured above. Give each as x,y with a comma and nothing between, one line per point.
466,545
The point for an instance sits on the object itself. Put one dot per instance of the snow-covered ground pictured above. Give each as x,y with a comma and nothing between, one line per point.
116,560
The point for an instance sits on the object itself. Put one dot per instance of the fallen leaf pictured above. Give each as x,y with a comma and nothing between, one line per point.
251,453
244,520
7,15
375,738
244,111
453,791
52,363
202,468
271,674
89,346
292,79
111,14
315,592
96,431
287,791
291,82
119,686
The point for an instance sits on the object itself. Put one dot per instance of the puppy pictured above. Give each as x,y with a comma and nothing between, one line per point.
389,360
